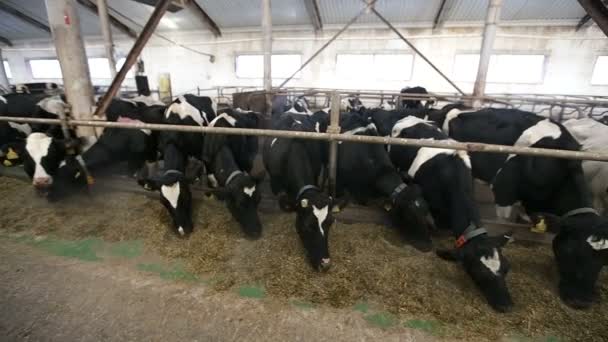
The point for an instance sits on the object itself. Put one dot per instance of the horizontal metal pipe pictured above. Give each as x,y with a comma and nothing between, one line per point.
452,145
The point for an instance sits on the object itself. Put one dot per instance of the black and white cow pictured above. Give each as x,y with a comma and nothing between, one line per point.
446,181
294,166
352,103
547,185
176,148
230,160
299,106
413,103
366,172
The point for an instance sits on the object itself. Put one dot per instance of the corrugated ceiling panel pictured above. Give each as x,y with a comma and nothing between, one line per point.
541,10
341,11
139,13
465,10
243,13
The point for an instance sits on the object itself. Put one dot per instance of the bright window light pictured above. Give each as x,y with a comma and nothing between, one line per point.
502,69
383,67
45,68
252,66
600,71
120,62
7,69
99,68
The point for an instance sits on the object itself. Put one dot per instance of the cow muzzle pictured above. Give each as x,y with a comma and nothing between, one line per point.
324,265
42,182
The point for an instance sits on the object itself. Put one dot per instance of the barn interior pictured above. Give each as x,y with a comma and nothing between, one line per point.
71,266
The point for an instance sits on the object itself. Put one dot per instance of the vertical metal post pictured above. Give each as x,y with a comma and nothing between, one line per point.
104,21
334,127
267,32
487,43
65,27
4,83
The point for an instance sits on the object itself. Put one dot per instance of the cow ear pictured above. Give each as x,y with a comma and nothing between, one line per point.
449,254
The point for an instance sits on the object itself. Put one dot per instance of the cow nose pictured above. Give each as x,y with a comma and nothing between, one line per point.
325,264
41,182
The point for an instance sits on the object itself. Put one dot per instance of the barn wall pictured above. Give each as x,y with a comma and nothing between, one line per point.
571,57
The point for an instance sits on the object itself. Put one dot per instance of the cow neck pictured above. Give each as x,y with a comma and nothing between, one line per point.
299,169
305,188
225,168
388,182
471,232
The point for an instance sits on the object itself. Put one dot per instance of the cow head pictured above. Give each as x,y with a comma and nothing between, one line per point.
351,104
408,209
242,194
483,261
176,197
313,221
43,156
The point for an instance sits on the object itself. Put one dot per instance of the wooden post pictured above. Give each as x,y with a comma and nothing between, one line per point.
334,127
267,32
65,28
4,83
104,21
487,43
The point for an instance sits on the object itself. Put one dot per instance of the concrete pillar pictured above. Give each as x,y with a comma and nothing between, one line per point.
65,27
106,31
267,32
4,83
487,43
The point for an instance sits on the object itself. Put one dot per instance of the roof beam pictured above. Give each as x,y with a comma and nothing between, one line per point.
598,11
312,7
5,41
584,20
17,13
438,18
197,10
92,7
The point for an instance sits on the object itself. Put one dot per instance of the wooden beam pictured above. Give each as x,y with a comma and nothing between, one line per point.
197,10
438,15
17,13
598,11
312,7
5,41
584,20
92,7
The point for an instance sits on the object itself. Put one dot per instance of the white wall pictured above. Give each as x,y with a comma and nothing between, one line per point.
569,64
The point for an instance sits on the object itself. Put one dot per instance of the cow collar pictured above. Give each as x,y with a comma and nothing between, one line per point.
304,189
580,211
468,234
397,191
232,176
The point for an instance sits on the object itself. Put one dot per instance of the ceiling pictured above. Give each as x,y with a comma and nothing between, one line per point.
247,13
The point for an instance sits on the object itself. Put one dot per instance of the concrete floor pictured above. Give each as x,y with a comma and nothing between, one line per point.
50,298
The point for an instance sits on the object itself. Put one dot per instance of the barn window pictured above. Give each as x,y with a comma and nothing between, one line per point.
252,66
502,69
45,68
385,67
7,69
99,68
600,71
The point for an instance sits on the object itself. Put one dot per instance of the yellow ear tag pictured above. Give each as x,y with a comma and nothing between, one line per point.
388,207
12,154
7,162
540,227
90,180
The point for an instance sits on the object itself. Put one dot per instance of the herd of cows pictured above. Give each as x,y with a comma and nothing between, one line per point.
423,189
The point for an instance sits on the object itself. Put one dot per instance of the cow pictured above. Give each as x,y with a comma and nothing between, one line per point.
366,172
352,103
294,167
414,103
177,147
298,106
446,181
230,160
593,137
550,186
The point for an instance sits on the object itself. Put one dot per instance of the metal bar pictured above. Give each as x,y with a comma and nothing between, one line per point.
139,44
197,10
584,20
487,43
334,128
313,13
17,13
104,22
6,41
4,83
65,28
267,32
394,29
95,9
598,11
452,145
439,13
361,12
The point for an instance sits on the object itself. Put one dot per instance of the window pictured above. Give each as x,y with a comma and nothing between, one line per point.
45,68
600,71
99,67
502,69
385,67
252,66
7,69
